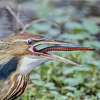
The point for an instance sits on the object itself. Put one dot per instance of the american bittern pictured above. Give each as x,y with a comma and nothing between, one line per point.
18,56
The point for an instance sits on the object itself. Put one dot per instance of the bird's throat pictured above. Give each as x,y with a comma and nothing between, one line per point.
26,64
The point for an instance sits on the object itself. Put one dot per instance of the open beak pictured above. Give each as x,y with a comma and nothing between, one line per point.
41,47
53,45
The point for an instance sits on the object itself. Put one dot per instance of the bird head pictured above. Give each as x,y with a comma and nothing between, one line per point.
35,50
28,45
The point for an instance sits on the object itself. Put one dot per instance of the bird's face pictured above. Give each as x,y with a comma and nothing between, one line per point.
17,45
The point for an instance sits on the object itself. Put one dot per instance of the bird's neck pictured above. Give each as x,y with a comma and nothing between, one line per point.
26,64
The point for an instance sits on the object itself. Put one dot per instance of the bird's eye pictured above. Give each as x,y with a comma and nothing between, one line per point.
29,41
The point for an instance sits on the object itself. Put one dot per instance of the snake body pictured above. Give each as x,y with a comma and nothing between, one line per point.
63,48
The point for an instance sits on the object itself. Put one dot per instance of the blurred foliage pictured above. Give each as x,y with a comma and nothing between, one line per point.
57,81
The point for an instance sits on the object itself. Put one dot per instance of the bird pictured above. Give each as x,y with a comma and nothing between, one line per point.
20,53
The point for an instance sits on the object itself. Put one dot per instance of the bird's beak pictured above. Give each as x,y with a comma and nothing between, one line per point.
53,45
